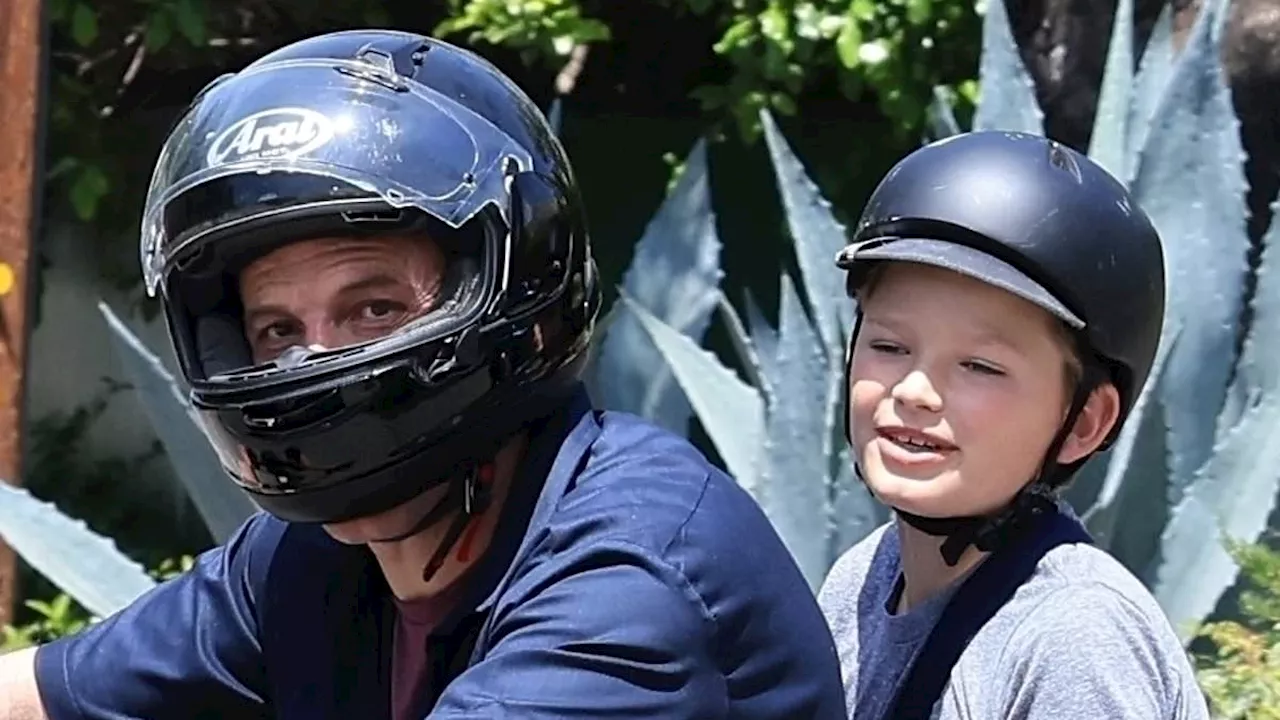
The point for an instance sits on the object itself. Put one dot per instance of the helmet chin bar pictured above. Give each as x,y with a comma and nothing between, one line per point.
1001,528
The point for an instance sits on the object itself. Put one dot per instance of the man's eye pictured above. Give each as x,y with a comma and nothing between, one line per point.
380,310
278,330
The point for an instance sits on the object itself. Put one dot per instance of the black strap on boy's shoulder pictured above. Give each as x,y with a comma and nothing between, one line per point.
975,602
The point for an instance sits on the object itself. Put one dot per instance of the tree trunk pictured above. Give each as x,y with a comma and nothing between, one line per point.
20,79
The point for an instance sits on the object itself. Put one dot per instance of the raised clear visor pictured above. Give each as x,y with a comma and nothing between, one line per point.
356,122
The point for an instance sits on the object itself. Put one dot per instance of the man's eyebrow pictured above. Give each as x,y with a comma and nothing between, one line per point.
371,282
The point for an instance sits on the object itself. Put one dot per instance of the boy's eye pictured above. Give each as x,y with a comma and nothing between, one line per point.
885,346
982,367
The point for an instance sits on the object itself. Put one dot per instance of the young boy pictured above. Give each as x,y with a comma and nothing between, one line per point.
1011,299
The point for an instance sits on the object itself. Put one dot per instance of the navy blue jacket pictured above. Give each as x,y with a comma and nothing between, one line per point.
635,580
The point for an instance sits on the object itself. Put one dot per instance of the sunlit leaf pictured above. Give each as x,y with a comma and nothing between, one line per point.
742,345
1148,88
818,236
731,411
1007,100
1257,374
1110,124
1191,181
796,494
83,564
1231,496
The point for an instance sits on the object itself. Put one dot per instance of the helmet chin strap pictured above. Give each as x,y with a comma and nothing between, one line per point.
470,493
1001,528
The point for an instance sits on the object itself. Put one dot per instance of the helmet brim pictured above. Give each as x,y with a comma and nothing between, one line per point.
859,257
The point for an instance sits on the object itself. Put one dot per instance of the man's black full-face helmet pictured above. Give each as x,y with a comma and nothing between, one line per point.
361,133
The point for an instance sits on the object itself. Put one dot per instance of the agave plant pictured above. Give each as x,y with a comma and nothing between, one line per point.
1200,455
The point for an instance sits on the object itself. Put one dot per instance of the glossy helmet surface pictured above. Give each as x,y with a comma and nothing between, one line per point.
1038,219
362,133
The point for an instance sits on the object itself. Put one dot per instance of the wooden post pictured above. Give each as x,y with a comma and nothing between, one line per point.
20,97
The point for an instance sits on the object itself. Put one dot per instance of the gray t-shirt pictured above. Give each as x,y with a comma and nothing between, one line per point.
1081,639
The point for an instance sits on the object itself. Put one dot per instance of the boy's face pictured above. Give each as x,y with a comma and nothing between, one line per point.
974,374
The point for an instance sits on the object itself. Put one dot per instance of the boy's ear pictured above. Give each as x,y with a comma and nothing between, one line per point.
1093,424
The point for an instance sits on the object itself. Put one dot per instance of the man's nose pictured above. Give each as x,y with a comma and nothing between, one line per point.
917,390
325,335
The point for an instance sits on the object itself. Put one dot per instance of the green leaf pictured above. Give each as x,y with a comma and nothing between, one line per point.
1231,496
84,24
159,31
1008,94
864,10
849,41
1191,181
89,187
731,412
1107,144
190,16
796,494
674,275
223,506
80,562
817,235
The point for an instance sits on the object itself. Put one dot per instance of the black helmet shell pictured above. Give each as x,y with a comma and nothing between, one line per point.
364,132
1029,214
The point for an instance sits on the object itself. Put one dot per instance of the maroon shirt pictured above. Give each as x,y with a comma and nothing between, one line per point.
415,621
410,676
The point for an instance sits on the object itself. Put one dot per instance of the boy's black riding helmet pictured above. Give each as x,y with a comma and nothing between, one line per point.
1044,222
370,132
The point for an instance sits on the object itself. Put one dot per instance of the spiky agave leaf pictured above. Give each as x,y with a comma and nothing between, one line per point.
796,492
222,505
748,353
1148,88
764,338
940,118
85,565
1110,124
675,275
731,411
1191,181
1257,374
855,512
1007,99
1137,475
1231,496
1235,491
817,235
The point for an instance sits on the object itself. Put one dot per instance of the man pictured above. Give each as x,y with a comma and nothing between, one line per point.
375,270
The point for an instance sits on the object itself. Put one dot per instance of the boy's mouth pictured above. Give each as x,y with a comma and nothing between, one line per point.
915,441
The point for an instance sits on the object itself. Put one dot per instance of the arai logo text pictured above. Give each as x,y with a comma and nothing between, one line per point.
274,133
